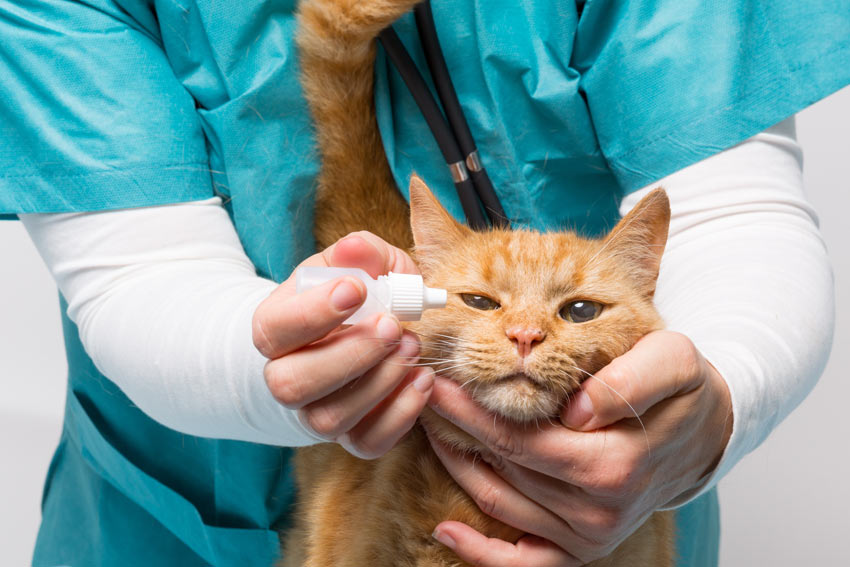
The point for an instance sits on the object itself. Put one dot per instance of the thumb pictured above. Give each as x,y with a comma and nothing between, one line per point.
661,365
369,252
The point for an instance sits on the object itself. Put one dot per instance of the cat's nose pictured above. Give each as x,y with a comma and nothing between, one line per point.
525,338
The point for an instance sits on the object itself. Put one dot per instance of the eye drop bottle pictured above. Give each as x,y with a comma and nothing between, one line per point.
403,295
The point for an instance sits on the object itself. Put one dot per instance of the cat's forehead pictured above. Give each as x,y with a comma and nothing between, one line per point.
527,261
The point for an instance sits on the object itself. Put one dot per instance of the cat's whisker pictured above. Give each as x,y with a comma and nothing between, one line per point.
438,346
634,411
439,340
565,391
415,364
537,423
423,360
358,358
445,342
455,366
399,341
458,361
434,361
450,337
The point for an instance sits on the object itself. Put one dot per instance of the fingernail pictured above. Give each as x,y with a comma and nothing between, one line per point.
389,328
424,382
444,538
302,417
580,410
346,295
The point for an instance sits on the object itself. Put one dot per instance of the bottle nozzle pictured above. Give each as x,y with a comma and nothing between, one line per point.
434,298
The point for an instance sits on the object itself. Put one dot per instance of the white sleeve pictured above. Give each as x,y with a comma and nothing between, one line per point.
746,277
163,298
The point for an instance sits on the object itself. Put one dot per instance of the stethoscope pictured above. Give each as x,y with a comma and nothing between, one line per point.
474,188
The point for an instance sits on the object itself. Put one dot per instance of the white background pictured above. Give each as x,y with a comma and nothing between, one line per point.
787,504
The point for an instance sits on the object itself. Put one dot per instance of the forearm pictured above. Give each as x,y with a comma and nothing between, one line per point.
163,298
746,277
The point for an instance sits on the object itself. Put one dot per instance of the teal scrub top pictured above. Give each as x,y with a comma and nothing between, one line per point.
122,103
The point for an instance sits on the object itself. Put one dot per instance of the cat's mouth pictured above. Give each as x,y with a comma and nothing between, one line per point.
519,378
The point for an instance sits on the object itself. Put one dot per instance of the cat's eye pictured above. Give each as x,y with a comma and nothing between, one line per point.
479,301
581,311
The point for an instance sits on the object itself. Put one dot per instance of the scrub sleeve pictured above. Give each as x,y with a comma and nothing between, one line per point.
125,103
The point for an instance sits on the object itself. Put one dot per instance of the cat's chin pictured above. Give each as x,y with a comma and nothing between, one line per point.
515,398
518,398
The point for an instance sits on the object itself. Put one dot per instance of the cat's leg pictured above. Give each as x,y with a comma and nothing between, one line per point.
356,189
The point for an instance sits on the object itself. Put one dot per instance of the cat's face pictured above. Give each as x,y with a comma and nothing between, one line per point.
531,315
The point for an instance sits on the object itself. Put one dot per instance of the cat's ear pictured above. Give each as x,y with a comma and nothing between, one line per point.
435,231
639,238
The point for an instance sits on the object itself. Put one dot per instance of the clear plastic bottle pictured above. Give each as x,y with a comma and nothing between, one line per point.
403,295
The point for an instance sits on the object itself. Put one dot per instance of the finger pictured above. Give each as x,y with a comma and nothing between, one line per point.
562,499
546,447
498,499
481,551
382,429
592,518
369,252
284,322
661,365
341,410
318,369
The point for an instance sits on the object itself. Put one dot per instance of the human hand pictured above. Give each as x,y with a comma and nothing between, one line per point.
350,385
580,491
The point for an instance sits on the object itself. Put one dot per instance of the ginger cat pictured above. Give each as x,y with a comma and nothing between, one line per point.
585,301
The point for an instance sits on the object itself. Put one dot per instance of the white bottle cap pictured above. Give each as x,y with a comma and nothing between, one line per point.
410,297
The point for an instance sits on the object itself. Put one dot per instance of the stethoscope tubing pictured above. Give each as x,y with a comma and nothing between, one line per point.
439,127
454,138
454,112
